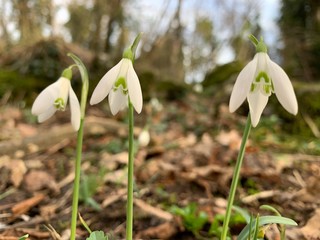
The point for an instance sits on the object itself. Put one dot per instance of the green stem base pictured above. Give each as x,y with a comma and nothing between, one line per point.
76,183
235,178
130,176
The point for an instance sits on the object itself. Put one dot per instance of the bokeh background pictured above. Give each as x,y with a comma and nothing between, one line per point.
185,44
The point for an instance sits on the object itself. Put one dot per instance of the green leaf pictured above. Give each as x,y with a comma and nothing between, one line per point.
243,213
84,224
24,237
97,235
256,229
271,209
263,221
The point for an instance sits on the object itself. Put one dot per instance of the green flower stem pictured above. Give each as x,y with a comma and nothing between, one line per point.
130,175
76,183
235,178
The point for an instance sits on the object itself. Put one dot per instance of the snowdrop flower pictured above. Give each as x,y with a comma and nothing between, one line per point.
55,97
119,82
258,80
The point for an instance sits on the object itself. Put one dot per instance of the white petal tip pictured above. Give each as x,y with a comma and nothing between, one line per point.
254,124
138,109
94,100
76,127
232,109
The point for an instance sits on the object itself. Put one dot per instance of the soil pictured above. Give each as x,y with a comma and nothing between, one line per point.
189,159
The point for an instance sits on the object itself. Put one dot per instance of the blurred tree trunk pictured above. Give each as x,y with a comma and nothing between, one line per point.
31,17
115,15
3,24
24,20
299,24
165,57
97,13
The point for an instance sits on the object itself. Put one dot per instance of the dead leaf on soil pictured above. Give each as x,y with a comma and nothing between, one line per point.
26,130
16,167
24,206
154,211
311,230
231,139
162,231
37,180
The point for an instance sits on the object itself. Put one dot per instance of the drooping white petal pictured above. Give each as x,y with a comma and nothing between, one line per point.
283,88
242,85
257,102
75,110
134,89
46,99
105,85
117,100
47,114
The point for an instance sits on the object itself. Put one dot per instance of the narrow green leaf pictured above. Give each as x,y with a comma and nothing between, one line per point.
84,224
266,220
243,213
271,209
256,228
250,227
24,237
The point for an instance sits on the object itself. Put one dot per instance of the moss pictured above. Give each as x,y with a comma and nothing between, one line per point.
163,88
20,84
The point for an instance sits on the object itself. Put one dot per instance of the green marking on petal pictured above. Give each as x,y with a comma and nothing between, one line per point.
121,81
252,87
272,87
264,76
59,104
267,89
264,83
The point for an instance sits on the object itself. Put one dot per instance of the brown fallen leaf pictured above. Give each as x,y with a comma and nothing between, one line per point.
154,211
163,231
114,197
231,139
37,180
18,169
311,230
26,130
34,233
24,206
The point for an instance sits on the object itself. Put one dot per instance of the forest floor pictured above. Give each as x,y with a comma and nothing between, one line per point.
187,164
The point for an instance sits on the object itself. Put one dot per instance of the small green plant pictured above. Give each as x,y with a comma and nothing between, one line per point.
256,227
239,216
24,237
88,187
260,223
97,235
94,235
193,220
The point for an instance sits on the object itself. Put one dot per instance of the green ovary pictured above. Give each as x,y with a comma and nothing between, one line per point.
59,104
